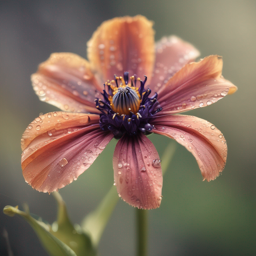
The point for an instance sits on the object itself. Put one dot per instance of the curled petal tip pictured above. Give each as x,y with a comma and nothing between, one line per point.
232,90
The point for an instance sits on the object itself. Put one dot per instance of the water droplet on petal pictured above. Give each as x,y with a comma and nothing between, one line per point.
119,194
63,162
193,98
201,104
156,163
30,127
119,165
49,115
101,46
85,93
209,103
38,127
65,116
143,169
212,127
114,184
49,133
119,173
75,93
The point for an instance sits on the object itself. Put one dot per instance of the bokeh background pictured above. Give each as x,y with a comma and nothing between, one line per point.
195,217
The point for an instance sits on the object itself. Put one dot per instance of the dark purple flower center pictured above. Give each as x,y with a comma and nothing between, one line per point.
126,108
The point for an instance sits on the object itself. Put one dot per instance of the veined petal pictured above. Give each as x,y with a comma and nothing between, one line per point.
200,137
172,54
66,81
137,172
123,44
197,84
57,153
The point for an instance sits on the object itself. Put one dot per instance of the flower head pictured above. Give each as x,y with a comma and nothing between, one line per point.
145,86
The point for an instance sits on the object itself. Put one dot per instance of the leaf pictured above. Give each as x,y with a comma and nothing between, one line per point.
53,245
167,156
64,230
94,223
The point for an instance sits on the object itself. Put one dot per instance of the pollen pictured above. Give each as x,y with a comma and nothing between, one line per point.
126,98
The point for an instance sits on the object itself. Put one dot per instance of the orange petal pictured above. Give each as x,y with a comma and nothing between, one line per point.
123,44
172,54
55,155
200,137
137,172
197,84
65,80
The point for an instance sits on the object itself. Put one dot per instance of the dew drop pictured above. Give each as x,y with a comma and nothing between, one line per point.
209,103
201,104
119,66
112,48
223,94
49,133
120,166
66,107
85,93
114,184
143,169
212,127
193,98
63,162
220,136
75,93
101,46
156,163
119,173
41,93
82,69
86,76
119,195
38,127
49,115
65,116
30,127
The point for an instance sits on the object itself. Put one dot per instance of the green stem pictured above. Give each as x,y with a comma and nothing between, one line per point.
142,232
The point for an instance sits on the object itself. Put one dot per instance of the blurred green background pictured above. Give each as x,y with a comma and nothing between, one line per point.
195,217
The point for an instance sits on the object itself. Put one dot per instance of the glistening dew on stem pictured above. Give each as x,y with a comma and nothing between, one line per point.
58,147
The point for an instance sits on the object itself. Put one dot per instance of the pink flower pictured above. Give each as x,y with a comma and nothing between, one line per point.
59,146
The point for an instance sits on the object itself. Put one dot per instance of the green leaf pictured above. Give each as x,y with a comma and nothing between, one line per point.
94,223
167,156
53,245
64,230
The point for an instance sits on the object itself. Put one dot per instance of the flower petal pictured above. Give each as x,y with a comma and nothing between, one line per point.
197,84
172,54
65,80
61,149
137,172
123,44
200,137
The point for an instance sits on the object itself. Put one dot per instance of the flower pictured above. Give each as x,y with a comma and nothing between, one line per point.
59,146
